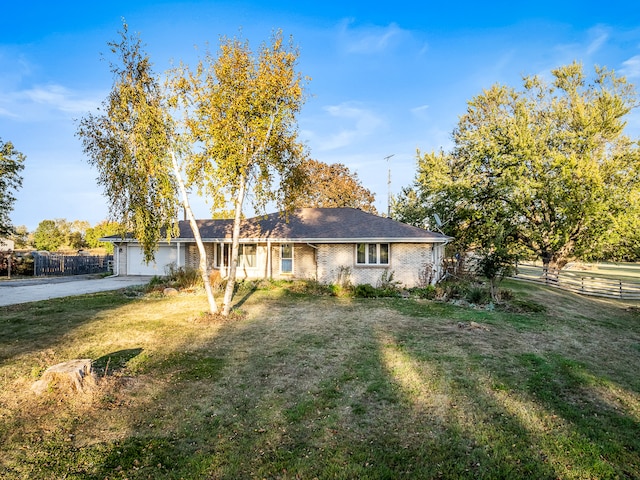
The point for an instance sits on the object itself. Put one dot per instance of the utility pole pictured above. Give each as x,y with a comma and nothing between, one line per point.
389,185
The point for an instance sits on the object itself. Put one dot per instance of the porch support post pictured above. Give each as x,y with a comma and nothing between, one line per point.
269,274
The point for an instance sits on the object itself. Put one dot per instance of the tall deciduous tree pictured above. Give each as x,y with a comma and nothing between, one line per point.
241,111
548,164
11,164
333,185
22,237
129,143
48,236
133,146
102,229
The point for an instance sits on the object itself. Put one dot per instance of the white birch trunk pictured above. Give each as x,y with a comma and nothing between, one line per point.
204,266
233,262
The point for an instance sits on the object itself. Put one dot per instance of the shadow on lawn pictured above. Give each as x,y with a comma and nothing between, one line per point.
114,362
305,406
604,433
28,327
472,434
340,392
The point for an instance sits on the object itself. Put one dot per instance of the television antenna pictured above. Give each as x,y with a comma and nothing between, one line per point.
389,184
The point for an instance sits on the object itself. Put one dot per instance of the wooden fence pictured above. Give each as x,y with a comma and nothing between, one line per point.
53,264
579,283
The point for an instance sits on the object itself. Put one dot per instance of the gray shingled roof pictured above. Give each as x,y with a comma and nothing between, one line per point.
328,225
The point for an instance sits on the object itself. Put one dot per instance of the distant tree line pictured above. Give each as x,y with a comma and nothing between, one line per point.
62,235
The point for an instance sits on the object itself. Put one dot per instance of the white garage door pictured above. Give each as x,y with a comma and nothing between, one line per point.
137,266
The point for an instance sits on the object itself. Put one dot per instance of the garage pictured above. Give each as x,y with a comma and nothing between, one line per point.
136,265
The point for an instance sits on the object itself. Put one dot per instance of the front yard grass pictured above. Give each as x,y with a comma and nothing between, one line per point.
323,387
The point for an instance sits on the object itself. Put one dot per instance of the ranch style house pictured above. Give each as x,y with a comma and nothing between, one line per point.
329,245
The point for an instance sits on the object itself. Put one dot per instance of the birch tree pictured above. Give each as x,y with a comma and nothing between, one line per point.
133,145
241,110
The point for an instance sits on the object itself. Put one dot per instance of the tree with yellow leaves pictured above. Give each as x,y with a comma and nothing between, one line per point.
228,129
240,116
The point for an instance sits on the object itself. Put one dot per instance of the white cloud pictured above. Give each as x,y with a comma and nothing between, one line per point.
420,111
349,124
45,101
369,40
600,36
60,98
6,113
631,67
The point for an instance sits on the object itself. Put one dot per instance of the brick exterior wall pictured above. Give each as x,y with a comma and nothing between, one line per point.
304,262
412,264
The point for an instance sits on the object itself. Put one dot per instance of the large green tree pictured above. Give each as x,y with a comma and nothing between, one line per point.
11,164
48,236
546,168
102,229
333,185
241,108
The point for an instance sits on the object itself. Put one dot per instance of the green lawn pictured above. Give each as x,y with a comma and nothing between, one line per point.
308,386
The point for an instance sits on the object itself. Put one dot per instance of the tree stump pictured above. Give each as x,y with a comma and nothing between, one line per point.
72,375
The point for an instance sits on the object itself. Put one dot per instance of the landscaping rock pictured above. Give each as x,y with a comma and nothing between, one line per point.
72,375
472,326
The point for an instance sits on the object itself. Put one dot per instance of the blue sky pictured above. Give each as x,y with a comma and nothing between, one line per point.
386,79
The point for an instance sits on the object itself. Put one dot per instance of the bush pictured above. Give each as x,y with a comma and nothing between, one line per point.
341,290
505,294
218,284
428,292
451,289
471,292
156,282
176,277
21,264
387,282
183,277
297,287
366,290
478,295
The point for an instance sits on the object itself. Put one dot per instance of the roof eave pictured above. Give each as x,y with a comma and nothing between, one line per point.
294,240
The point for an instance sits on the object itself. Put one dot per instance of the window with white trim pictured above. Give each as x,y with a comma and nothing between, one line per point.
372,254
286,258
246,255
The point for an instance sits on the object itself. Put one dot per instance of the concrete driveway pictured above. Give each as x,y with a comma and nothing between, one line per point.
33,290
